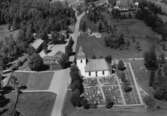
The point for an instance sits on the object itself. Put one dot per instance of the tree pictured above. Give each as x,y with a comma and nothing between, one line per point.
127,88
75,74
75,98
149,101
6,90
162,59
64,62
18,89
35,62
68,48
121,65
121,40
109,103
2,64
85,103
165,69
84,27
159,93
108,59
101,26
151,63
77,84
122,75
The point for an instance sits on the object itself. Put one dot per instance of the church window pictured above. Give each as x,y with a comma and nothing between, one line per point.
89,73
103,72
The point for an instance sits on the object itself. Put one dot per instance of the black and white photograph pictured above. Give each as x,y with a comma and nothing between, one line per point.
83,57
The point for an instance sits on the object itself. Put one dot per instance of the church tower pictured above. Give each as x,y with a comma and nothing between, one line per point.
81,61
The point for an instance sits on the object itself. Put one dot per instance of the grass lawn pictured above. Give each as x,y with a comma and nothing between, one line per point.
131,28
34,104
35,80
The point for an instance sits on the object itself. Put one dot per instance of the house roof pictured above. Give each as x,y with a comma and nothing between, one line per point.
96,65
124,3
80,53
36,44
53,59
54,50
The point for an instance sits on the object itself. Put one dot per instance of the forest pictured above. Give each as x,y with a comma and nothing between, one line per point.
31,16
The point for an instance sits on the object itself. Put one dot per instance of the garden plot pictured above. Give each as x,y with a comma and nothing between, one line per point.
101,89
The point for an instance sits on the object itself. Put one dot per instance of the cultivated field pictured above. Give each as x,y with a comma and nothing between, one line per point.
35,80
33,104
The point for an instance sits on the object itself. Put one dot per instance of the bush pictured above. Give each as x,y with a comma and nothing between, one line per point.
159,94
85,103
150,102
127,88
121,65
36,62
75,98
109,104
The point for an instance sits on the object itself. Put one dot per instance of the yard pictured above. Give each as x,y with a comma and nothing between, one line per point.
34,104
35,80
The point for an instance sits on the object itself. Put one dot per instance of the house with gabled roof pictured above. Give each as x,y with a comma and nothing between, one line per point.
92,68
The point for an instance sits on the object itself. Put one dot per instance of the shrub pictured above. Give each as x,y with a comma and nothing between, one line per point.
150,102
109,103
121,65
159,94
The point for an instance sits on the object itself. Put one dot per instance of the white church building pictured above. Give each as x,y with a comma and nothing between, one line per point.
91,68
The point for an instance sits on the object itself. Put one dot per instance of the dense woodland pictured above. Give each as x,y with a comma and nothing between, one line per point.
31,16
148,12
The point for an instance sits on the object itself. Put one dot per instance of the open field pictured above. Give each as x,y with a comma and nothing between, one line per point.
133,30
35,80
34,104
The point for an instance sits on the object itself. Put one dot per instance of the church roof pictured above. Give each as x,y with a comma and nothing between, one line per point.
96,65
80,53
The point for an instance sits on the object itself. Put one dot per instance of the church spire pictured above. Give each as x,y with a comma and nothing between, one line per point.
80,53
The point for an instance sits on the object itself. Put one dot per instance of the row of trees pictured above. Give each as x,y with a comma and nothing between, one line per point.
148,12
77,88
4,101
151,63
158,71
95,13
